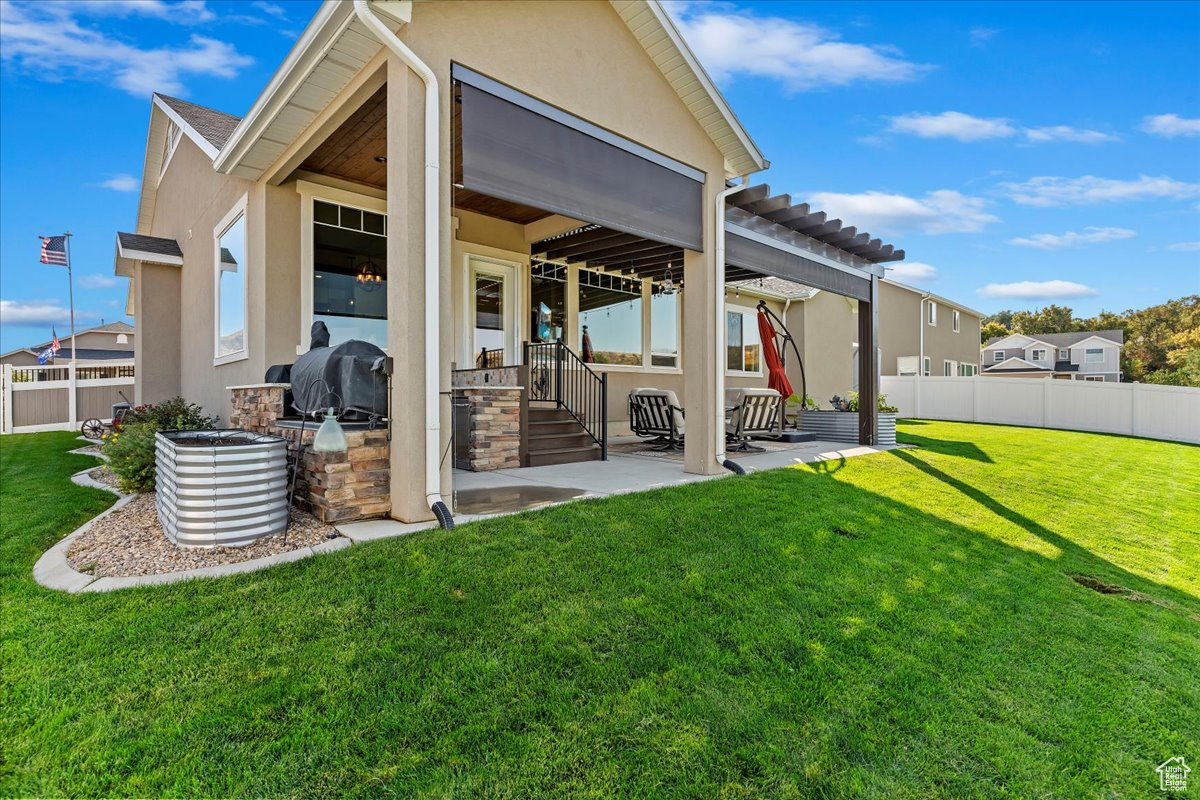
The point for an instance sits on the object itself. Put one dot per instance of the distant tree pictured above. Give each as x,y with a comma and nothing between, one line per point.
991,329
1051,319
1002,317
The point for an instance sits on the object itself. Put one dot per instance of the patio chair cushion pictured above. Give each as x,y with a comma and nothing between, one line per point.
657,409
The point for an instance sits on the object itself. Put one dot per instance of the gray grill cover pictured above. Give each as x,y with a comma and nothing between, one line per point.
515,154
344,377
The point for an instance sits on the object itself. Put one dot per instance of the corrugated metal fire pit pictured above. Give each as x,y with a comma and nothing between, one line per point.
220,488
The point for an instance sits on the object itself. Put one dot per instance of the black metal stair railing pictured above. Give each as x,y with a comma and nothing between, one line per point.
558,375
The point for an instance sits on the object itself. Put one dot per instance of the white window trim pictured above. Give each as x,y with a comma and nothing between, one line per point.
1063,354
174,137
949,368
511,271
1033,354
998,357
968,370
931,316
927,367
957,317
239,209
309,192
753,314
1094,378
1087,355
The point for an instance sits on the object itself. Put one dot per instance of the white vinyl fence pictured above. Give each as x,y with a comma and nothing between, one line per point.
1132,409
59,398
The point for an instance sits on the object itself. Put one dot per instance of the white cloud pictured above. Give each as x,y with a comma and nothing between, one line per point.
121,183
1037,290
1171,125
1065,133
912,272
1184,247
34,313
799,55
185,12
1051,241
96,281
981,36
942,211
1046,191
969,128
46,41
951,125
270,8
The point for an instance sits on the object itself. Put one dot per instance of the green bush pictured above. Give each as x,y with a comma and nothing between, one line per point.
880,404
130,445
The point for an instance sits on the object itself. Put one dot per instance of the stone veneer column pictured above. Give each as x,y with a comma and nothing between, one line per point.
256,407
495,428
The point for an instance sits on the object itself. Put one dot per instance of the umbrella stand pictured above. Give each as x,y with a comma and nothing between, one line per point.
783,337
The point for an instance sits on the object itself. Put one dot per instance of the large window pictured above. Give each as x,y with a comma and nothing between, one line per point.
1093,355
350,272
610,319
664,329
967,370
743,349
1037,355
230,291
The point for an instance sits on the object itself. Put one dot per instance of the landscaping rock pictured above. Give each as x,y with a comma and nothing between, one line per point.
130,541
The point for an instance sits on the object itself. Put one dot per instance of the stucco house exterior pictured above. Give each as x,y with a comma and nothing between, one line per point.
413,180
111,342
1080,355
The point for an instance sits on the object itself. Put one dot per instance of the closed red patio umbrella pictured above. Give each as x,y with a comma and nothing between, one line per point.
777,378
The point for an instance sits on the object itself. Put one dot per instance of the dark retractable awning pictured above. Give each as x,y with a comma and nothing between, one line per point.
517,148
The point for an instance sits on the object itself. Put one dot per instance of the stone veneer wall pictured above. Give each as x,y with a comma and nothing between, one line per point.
334,487
494,429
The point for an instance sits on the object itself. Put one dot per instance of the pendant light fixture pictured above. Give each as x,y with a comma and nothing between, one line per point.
367,276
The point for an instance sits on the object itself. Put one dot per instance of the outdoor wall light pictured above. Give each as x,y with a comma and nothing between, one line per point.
330,437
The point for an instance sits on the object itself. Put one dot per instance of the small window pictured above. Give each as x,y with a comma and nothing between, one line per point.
1037,355
1094,355
957,321
927,366
932,313
122,338
997,356
1063,354
1094,378
743,350
967,370
948,369
174,133
231,289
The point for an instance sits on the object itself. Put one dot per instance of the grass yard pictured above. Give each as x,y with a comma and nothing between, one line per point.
903,625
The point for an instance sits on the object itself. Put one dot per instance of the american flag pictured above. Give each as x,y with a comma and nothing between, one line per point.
50,351
54,250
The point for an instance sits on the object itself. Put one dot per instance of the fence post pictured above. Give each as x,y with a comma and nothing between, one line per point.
1046,389
1135,395
6,425
917,391
73,398
975,398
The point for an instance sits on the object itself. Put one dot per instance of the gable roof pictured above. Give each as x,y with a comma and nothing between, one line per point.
336,46
1015,364
935,297
212,126
109,327
1058,340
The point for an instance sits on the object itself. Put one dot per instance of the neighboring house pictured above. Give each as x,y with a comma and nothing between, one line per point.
927,334
1081,356
111,342
554,202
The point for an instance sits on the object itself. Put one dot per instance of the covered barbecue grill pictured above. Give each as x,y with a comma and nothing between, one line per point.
349,377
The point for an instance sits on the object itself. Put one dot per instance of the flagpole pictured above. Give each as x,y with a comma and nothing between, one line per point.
70,292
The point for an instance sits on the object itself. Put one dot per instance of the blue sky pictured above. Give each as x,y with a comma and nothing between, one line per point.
1021,153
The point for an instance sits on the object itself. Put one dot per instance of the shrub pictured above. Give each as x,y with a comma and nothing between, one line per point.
130,445
880,403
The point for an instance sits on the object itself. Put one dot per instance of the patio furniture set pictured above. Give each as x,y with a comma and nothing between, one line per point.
656,415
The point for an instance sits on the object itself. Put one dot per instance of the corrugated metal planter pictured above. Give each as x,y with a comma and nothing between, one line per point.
842,426
221,488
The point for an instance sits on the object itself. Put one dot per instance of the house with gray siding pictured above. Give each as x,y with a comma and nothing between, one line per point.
1081,356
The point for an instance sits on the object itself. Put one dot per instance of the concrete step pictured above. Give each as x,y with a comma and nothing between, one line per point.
565,455
540,442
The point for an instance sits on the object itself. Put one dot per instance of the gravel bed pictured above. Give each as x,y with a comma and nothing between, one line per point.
88,450
104,475
130,541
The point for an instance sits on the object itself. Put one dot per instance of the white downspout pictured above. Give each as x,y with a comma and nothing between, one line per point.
433,438
719,256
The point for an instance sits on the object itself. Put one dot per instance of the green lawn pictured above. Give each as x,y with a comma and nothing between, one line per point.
899,625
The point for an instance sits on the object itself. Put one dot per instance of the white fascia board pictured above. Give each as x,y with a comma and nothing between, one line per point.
1007,342
1099,339
191,132
935,297
130,255
1018,360
315,42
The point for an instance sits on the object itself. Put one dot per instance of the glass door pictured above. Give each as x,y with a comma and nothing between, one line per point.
492,306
